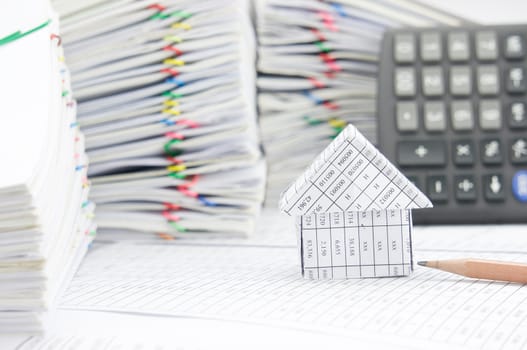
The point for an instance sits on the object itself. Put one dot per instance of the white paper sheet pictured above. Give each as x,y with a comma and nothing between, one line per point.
92,330
261,285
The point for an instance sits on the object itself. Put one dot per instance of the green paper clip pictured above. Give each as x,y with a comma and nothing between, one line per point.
322,46
18,34
177,226
169,151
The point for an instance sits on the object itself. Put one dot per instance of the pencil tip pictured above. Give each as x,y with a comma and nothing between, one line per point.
422,263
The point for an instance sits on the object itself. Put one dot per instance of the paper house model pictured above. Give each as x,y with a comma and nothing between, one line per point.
353,210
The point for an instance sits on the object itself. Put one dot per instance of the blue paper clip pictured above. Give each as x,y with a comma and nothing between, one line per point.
206,201
175,81
312,97
339,9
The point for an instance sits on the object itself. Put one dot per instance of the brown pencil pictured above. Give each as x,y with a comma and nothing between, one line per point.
482,269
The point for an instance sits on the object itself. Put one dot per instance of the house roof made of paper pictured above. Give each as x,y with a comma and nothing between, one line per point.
351,175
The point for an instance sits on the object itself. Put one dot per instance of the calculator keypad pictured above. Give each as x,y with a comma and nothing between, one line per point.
453,118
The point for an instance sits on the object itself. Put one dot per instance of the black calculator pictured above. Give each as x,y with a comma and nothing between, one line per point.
452,109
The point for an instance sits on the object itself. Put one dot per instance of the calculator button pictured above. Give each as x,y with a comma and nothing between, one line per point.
463,152
490,115
486,45
431,48
437,188
514,46
404,82
421,153
465,187
519,151
460,81
491,152
493,188
433,81
404,48
407,119
517,115
488,81
462,115
515,80
435,118
458,46
519,185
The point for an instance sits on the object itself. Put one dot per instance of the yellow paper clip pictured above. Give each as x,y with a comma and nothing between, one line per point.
173,39
176,168
174,62
171,111
336,123
180,25
171,103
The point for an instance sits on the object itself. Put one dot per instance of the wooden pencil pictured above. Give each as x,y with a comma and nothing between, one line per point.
482,269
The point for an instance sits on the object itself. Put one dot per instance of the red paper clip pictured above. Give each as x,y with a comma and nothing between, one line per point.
170,71
184,190
171,206
55,36
318,34
174,135
328,20
333,66
317,83
158,7
330,105
174,49
170,217
174,160
189,184
188,122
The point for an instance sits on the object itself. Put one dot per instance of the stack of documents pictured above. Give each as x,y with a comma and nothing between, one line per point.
318,64
45,215
166,96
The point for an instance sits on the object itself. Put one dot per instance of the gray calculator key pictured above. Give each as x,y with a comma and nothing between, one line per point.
462,115
463,152
437,188
486,45
491,152
431,46
404,48
458,46
515,79
494,188
421,153
405,82
519,151
514,46
490,115
517,115
460,81
465,187
435,116
407,119
433,81
488,80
